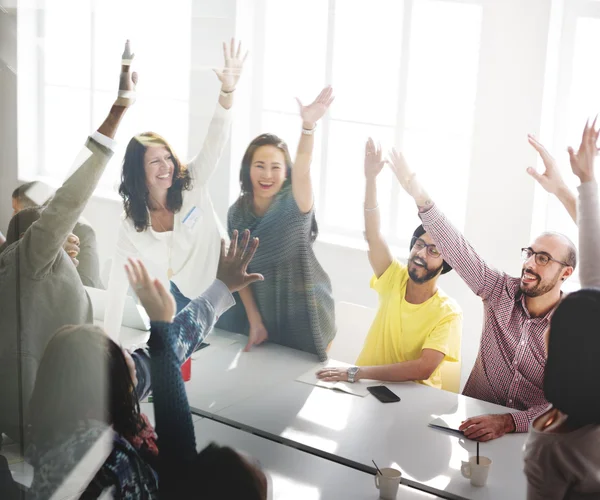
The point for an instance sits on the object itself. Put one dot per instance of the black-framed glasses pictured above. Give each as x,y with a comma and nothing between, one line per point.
541,258
418,244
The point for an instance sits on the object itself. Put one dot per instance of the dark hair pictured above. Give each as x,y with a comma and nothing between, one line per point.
420,231
21,222
246,196
83,374
218,465
133,187
571,377
19,195
571,258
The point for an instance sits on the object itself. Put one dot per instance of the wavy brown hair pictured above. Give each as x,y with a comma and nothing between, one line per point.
133,187
246,197
83,374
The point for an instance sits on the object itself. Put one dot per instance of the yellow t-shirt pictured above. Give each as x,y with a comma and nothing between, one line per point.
402,330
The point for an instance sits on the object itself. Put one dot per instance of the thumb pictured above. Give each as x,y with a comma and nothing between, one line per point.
299,103
218,73
252,278
572,156
533,173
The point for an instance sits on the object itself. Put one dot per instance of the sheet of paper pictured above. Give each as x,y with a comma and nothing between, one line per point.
357,389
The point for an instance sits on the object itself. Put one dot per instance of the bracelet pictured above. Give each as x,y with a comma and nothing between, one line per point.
309,131
371,209
224,93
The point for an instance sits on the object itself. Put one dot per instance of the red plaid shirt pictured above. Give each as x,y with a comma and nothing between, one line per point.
509,369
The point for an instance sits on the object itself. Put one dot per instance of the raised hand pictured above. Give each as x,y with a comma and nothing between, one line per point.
233,264
158,302
550,180
312,113
401,170
232,69
127,80
71,246
582,161
373,162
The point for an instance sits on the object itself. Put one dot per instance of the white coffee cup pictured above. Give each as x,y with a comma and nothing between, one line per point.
476,472
387,483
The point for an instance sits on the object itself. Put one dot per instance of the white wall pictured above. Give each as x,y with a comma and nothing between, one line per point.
500,195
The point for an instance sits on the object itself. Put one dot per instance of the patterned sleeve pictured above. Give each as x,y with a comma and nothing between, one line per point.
174,426
482,279
524,418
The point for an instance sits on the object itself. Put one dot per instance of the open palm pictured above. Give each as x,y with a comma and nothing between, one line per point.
233,65
550,179
373,162
315,111
582,161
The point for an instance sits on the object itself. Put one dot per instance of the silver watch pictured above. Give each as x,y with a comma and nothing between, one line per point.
352,371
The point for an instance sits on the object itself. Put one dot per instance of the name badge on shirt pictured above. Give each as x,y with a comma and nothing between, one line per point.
191,217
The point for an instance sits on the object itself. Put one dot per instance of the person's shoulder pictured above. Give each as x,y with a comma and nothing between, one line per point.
447,304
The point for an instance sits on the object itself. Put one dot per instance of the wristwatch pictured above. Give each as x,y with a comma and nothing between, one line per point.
352,371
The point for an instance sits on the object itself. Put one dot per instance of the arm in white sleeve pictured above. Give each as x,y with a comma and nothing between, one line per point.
118,285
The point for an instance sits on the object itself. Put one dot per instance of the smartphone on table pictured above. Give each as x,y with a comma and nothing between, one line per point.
383,394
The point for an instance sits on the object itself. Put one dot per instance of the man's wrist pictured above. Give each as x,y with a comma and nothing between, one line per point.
509,423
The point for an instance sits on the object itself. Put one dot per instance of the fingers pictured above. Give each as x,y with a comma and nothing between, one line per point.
239,50
232,49
225,53
245,56
165,295
134,77
250,253
248,345
143,273
223,249
244,244
75,261
131,276
467,423
233,245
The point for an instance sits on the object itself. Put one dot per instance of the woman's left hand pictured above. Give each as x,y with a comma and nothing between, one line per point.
158,302
232,70
312,113
333,374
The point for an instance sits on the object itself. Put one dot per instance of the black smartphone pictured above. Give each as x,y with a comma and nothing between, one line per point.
382,393
202,345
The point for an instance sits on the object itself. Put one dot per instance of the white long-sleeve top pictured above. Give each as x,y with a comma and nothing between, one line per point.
194,243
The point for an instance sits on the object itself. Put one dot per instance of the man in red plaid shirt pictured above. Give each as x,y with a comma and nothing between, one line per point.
509,369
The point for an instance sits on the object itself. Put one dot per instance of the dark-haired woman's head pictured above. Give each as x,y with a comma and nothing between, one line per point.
266,167
83,375
571,377
225,474
151,169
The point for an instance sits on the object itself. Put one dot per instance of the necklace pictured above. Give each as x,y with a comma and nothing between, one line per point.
170,272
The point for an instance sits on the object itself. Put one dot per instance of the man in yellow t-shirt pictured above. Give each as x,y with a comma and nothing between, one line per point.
417,327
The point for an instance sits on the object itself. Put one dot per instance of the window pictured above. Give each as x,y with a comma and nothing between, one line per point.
75,76
576,97
404,72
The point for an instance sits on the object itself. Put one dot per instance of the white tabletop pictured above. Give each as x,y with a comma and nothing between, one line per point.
295,474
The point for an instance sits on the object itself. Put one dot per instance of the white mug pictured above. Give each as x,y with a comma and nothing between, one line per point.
387,483
476,472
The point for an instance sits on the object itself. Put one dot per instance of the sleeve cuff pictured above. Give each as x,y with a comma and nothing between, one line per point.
588,189
105,141
521,420
430,215
219,296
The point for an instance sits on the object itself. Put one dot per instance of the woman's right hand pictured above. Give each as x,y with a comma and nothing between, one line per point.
127,80
158,302
550,180
257,335
373,162
582,161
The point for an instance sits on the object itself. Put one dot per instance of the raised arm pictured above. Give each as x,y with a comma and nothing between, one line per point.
205,162
456,250
380,256
301,180
89,263
582,164
551,180
43,241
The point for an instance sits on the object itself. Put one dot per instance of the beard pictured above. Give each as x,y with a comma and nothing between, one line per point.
541,288
429,273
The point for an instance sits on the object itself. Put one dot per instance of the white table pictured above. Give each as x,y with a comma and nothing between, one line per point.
294,474
257,391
